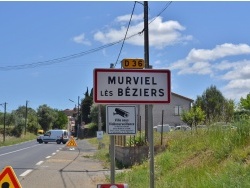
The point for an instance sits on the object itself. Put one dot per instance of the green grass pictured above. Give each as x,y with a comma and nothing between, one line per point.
209,158
15,140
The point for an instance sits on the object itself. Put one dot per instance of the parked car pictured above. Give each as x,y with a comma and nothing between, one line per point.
40,131
59,136
182,128
164,128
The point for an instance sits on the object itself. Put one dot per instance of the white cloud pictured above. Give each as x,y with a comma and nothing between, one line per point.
126,18
161,33
219,51
201,68
237,88
240,70
235,73
80,39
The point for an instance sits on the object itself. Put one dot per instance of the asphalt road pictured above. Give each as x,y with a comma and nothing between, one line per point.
67,168
26,156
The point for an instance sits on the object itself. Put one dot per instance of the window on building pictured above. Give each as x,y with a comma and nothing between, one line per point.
177,110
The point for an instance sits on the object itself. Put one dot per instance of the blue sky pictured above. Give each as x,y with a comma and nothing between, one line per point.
48,50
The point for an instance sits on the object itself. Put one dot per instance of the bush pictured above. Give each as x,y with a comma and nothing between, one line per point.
137,140
17,131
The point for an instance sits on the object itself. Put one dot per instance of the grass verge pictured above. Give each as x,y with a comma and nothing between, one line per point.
208,158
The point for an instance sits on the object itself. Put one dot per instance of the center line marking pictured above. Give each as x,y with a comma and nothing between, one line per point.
26,172
39,163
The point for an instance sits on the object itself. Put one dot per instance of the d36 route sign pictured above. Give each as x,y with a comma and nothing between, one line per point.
130,86
133,63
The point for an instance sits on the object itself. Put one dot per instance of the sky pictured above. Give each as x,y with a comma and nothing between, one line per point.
48,50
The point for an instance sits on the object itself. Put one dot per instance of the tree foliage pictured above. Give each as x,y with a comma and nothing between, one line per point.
85,107
212,103
61,120
94,115
245,102
46,116
228,110
194,116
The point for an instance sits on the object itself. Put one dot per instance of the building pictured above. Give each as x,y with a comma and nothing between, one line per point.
71,114
171,112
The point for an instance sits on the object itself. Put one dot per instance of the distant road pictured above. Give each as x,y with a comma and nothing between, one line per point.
27,156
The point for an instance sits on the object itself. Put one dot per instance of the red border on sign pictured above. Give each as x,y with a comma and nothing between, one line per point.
132,101
9,171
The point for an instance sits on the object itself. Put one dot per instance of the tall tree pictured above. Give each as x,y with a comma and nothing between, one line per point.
61,120
212,103
87,93
91,93
46,116
85,109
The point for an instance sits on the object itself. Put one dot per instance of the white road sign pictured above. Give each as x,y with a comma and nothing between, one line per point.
121,119
131,86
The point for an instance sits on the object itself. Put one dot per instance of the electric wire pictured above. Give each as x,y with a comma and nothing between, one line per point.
166,6
80,54
62,59
125,34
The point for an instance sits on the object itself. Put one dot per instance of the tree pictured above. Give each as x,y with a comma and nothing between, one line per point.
85,107
245,103
94,115
194,116
228,110
61,120
212,103
46,116
19,116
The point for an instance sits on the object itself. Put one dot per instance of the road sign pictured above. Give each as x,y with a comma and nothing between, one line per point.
133,63
130,86
8,178
71,142
121,119
99,134
121,185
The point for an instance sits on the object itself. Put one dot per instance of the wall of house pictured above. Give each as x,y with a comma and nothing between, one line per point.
171,110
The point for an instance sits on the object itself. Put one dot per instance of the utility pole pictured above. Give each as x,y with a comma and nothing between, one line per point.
78,118
4,121
146,59
148,108
26,115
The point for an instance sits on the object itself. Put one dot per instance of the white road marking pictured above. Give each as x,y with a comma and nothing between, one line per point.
39,163
18,150
26,172
48,157
53,153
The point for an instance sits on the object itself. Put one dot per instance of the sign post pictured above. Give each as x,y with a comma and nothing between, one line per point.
129,86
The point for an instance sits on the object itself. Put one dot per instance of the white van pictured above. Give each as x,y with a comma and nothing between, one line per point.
59,136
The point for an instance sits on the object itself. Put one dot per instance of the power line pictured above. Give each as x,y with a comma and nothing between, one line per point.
125,34
166,6
80,54
62,59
